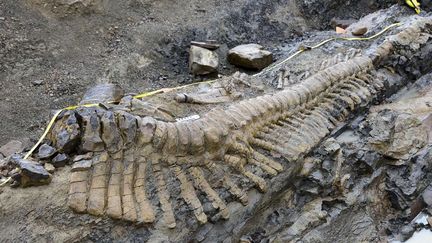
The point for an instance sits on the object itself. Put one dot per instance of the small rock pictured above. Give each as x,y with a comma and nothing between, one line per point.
46,151
251,56
427,196
331,145
407,231
207,45
37,82
359,31
49,167
86,156
11,148
60,160
318,177
82,165
202,61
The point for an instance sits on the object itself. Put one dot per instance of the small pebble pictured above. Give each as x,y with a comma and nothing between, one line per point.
49,167
37,82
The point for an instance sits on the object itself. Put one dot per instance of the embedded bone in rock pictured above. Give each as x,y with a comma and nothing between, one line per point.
398,129
216,96
212,96
142,108
225,157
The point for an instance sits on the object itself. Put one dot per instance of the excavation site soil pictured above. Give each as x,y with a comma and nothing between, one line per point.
322,134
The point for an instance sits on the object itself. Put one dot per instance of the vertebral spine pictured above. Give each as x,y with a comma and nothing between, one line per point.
136,160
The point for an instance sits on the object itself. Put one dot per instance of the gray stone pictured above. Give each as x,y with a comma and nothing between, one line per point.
331,145
207,45
82,165
202,61
11,148
37,82
60,160
31,173
103,93
427,196
86,156
251,56
407,231
46,151
359,31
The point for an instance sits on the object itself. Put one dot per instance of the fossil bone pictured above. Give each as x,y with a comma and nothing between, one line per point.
138,161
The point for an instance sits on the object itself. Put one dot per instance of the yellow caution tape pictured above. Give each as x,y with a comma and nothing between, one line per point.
50,124
6,181
166,90
139,96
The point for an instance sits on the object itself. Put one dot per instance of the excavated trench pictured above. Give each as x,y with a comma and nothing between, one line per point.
348,130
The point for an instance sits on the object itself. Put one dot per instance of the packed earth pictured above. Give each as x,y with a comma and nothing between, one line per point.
215,121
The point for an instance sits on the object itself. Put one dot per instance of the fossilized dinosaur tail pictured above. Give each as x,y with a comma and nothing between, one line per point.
141,169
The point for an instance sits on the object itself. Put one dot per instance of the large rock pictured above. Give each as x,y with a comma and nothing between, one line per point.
11,148
101,93
251,56
202,61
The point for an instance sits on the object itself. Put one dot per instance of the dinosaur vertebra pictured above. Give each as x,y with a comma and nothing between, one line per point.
139,164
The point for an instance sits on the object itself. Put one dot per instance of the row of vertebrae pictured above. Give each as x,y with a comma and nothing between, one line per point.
128,150
143,168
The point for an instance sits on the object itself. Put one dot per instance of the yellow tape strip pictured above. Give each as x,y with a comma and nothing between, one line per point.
166,90
139,96
44,134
